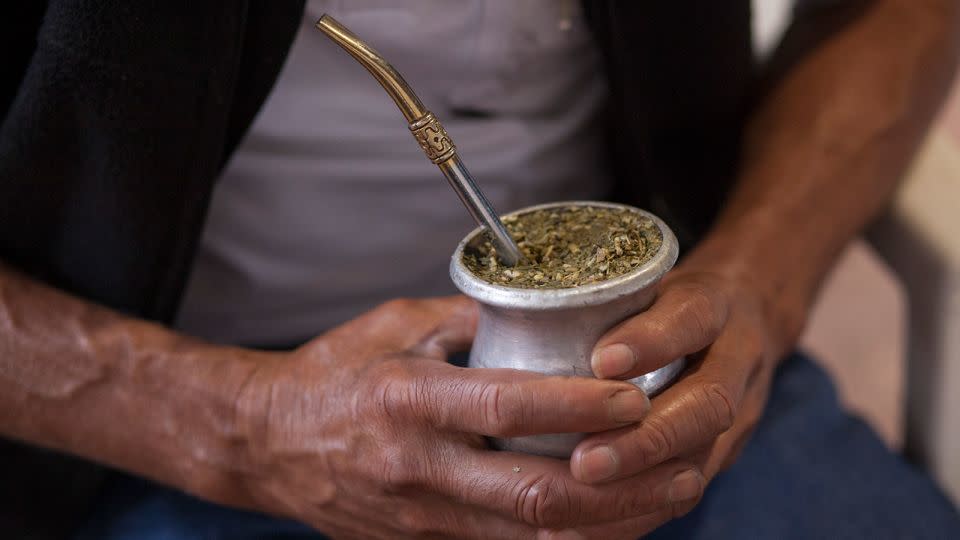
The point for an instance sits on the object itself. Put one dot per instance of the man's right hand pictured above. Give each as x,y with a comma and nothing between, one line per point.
367,432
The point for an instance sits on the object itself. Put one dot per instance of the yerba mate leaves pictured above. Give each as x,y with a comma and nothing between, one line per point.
569,247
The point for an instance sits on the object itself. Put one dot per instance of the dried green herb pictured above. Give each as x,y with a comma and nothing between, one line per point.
568,247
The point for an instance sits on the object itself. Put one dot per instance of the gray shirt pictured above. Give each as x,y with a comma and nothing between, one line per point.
328,207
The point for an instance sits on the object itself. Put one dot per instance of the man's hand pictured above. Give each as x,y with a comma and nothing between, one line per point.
822,156
366,432
721,323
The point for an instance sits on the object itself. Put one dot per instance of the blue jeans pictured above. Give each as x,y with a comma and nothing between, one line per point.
810,471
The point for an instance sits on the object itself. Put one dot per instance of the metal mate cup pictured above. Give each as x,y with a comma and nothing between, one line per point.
553,331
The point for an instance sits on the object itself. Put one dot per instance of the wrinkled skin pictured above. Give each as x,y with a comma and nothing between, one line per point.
366,432
717,316
708,415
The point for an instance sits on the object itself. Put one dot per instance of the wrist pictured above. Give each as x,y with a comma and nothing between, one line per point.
229,425
197,441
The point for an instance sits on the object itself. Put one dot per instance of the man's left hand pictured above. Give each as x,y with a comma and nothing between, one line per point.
727,329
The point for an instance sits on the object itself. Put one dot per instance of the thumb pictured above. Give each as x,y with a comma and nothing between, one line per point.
686,317
455,330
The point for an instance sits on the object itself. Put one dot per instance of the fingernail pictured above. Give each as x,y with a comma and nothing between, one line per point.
613,361
685,486
566,534
598,463
628,406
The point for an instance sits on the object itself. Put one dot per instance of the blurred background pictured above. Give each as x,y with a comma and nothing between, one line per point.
896,299
859,328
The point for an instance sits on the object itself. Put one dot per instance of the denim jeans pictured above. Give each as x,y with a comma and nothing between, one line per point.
810,471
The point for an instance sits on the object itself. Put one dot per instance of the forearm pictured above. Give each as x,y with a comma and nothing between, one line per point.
85,380
827,148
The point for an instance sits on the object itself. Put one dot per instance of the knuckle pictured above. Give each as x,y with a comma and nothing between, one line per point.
704,312
659,443
545,501
666,343
699,296
394,390
717,402
658,325
387,397
501,409
398,473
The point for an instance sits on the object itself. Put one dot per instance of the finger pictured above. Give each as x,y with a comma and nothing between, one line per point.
729,445
439,517
402,323
687,317
628,529
542,492
508,402
447,307
687,416
454,334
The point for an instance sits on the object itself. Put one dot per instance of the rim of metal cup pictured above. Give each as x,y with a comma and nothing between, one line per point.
585,295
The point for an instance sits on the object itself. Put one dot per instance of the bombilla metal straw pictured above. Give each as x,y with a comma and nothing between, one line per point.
426,129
